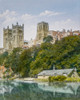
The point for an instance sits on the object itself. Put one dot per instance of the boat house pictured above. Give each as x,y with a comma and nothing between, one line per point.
56,72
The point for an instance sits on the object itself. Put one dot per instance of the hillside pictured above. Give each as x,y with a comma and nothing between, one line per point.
63,54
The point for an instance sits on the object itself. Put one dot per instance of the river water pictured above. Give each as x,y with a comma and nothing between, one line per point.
13,90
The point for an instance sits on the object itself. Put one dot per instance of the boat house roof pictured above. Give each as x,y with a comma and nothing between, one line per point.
55,72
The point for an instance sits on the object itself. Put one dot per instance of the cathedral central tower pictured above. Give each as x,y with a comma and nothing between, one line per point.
42,31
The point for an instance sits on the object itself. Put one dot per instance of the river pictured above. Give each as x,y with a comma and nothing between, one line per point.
15,90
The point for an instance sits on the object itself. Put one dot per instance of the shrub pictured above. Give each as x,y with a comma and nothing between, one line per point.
57,78
72,79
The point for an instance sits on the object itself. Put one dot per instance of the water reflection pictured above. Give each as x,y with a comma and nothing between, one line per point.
39,91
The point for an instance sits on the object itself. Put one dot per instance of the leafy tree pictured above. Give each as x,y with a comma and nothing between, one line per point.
13,59
24,62
3,56
42,60
63,54
48,39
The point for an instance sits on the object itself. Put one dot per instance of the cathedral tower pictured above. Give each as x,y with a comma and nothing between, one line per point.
18,35
42,31
13,38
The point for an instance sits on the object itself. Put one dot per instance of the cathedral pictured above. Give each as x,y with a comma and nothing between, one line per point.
13,38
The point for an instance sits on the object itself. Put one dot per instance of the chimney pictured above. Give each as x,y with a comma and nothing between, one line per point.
53,67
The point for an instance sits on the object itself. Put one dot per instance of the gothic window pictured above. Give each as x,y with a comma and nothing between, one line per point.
10,46
40,36
43,26
20,37
20,31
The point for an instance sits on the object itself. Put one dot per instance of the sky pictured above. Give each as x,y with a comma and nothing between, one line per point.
60,14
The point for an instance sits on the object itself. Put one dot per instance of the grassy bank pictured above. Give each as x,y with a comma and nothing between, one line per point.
41,80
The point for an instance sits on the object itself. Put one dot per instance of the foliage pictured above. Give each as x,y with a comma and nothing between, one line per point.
63,54
48,39
72,79
57,78
24,62
42,60
13,59
3,56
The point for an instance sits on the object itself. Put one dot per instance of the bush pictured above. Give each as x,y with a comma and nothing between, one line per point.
57,78
72,79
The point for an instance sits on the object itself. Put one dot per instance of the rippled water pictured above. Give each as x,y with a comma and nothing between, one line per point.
12,90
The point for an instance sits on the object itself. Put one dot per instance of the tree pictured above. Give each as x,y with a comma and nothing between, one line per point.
24,62
64,54
13,59
48,39
3,56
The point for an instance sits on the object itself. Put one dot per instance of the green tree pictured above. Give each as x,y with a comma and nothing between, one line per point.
48,39
3,56
13,59
24,62
64,54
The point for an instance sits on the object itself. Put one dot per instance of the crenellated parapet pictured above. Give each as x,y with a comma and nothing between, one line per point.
7,30
18,26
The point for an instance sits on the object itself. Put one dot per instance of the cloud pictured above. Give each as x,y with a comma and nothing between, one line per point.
8,13
50,13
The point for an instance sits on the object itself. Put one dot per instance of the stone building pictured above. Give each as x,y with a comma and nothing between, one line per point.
45,74
13,38
42,31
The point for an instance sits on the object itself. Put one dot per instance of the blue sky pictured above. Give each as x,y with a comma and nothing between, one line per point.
58,13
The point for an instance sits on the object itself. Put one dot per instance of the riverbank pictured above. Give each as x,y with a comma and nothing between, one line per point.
68,79
47,80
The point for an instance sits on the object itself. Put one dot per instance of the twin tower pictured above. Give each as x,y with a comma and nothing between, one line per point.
13,38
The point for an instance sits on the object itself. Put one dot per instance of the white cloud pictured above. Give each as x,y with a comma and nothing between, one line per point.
8,13
50,13
30,22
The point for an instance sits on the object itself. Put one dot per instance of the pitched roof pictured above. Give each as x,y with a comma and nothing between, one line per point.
55,72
